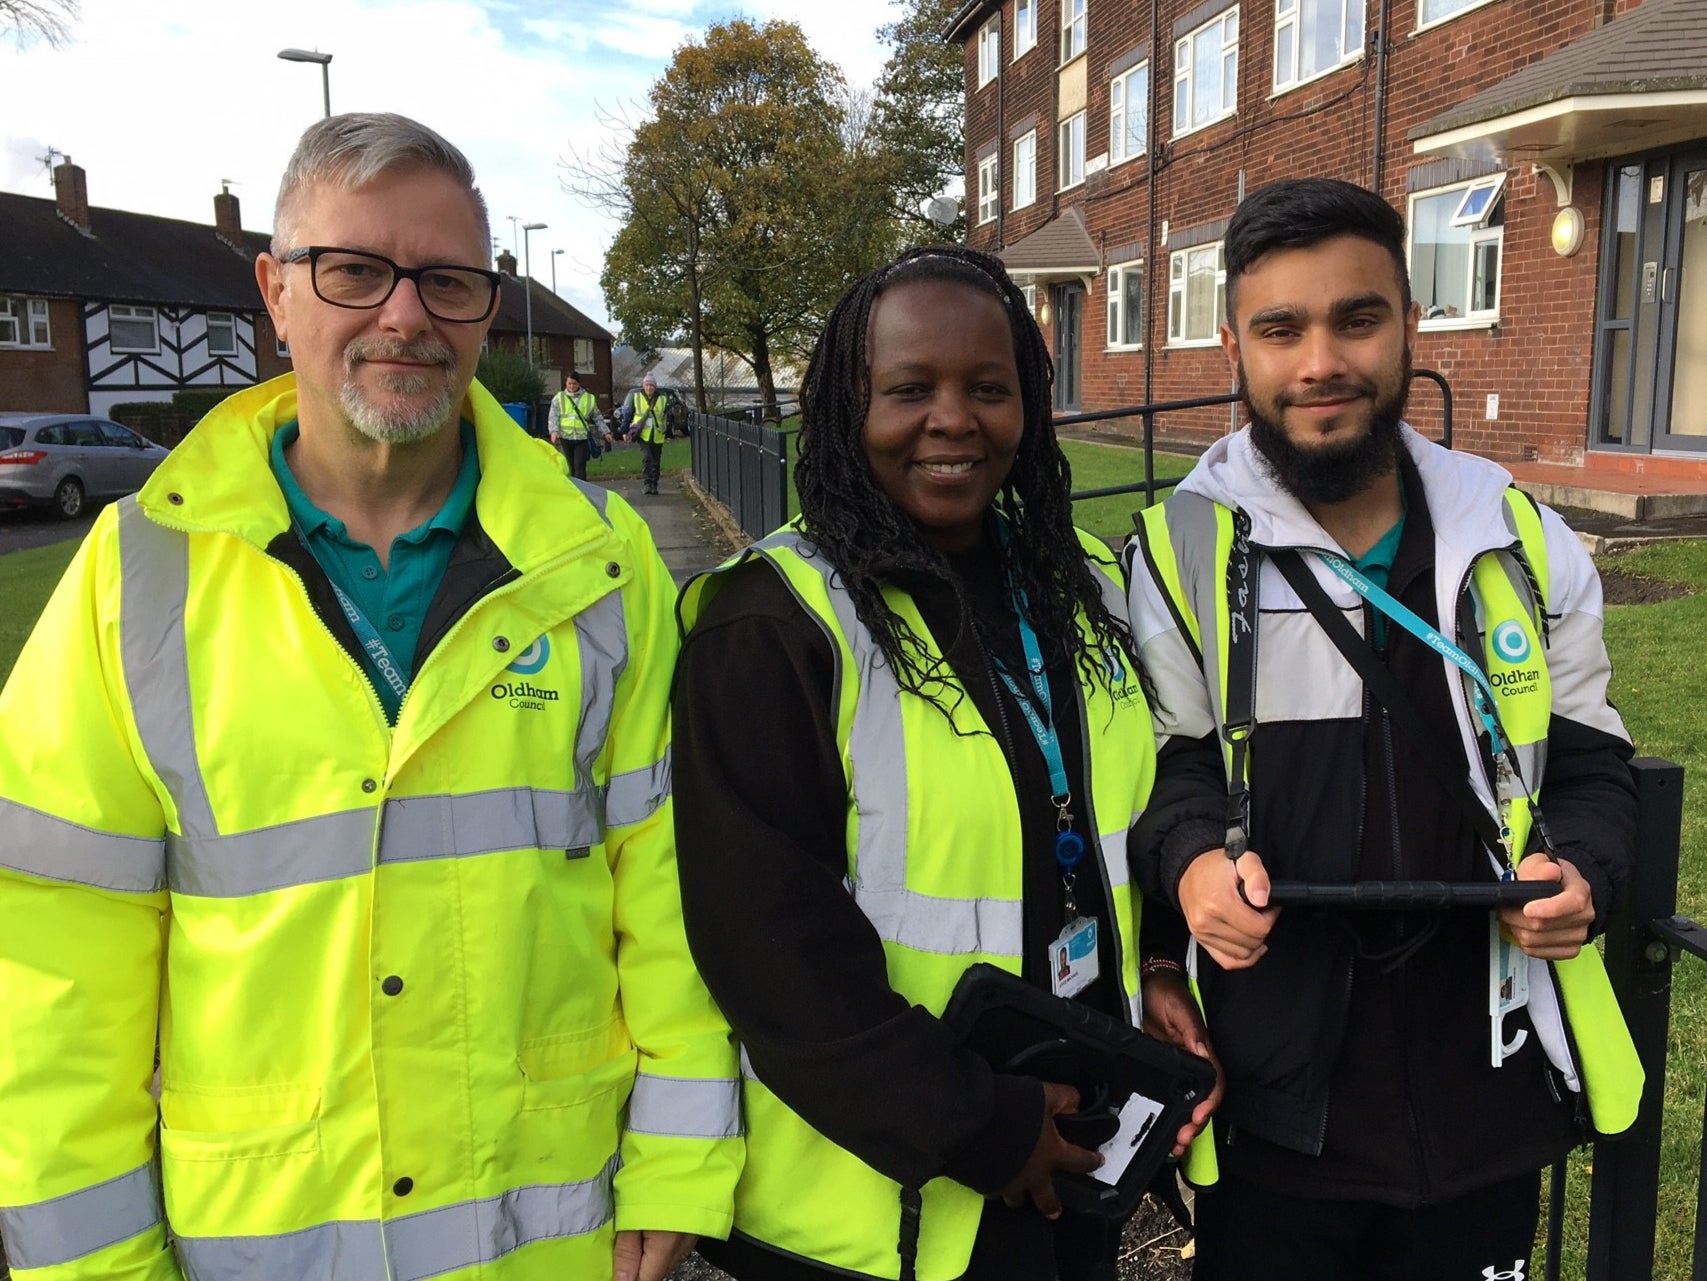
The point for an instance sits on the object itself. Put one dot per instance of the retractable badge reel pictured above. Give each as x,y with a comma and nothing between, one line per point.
1073,964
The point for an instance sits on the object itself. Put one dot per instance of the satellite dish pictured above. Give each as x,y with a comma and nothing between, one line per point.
942,210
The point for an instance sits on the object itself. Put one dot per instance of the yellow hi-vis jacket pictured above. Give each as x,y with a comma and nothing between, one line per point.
650,416
934,849
422,996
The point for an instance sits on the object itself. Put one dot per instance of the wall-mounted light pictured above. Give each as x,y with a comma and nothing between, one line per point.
1567,233
1043,312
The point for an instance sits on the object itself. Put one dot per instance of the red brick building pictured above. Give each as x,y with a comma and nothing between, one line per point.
1549,157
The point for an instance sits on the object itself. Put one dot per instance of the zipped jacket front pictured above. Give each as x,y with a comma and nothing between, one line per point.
421,994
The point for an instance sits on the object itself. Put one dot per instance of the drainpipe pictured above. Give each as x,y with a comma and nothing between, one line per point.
1001,141
1384,14
1155,160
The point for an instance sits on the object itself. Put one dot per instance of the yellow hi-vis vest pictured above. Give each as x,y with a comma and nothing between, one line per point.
1189,542
934,846
575,414
651,416
422,994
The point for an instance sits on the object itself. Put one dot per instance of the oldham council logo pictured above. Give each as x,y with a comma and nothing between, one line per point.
1511,642
533,659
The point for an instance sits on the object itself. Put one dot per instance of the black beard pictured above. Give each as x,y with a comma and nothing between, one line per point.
1329,474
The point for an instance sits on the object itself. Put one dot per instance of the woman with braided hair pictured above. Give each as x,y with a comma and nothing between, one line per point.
910,736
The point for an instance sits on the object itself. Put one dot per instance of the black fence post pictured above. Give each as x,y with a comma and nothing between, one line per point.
1624,1199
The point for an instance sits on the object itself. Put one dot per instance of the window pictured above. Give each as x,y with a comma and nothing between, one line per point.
1457,235
281,348
1030,292
1128,113
1197,294
1206,73
989,196
1070,148
584,355
221,334
1312,37
1025,169
1126,305
132,329
23,323
120,437
989,50
1430,12
1025,26
1072,29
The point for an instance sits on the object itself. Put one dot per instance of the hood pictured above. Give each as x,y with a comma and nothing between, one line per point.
219,478
1465,494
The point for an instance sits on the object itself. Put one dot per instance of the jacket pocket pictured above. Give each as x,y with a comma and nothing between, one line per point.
559,1071
238,1123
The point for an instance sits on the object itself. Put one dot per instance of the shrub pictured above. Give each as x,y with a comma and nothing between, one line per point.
510,376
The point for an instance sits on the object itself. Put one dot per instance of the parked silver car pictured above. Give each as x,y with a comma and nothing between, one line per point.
62,460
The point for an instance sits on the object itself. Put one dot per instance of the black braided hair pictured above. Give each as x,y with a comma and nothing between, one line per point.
870,540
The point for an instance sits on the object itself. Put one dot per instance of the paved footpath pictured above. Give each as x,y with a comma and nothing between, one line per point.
687,537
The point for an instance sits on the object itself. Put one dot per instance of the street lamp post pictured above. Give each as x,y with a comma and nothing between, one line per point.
324,60
527,258
554,254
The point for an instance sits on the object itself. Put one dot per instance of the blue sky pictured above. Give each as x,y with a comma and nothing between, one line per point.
160,110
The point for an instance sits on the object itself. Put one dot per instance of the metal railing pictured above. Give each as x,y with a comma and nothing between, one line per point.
744,465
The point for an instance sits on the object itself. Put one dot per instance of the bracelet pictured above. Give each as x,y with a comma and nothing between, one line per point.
1159,964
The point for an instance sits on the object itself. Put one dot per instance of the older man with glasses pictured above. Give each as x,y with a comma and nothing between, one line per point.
339,787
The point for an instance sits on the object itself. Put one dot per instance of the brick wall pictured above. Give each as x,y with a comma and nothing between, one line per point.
49,381
1536,359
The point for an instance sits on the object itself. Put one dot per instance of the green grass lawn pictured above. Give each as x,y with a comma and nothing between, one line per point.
27,579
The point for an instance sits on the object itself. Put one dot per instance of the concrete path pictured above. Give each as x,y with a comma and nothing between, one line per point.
689,539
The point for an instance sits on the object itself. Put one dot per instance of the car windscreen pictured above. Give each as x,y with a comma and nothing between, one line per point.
11,437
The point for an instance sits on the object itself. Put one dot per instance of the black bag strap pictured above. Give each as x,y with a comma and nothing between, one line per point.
1380,681
1238,712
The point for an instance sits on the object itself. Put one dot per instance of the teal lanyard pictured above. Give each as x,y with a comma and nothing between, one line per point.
378,652
1039,712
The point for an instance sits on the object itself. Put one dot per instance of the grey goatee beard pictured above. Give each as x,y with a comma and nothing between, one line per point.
393,423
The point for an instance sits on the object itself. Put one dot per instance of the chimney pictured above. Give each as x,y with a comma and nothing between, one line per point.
228,219
71,194
507,262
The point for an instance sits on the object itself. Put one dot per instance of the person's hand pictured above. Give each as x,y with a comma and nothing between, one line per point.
1171,1015
1233,930
649,1256
1035,1181
1556,928
555,438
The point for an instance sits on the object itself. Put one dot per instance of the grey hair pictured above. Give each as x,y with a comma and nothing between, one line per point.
351,150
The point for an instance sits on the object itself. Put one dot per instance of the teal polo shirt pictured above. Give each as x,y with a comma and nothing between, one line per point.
1376,564
394,602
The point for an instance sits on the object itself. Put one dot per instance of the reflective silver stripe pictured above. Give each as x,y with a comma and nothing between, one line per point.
155,584
50,1233
271,858
462,824
597,495
637,794
39,844
601,636
352,1250
471,1233
413,1248
1113,849
1192,529
949,926
685,1107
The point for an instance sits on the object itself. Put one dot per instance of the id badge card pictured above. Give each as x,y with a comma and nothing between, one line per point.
1508,990
1073,957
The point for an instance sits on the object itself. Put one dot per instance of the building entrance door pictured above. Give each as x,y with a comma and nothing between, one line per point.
1650,388
1069,317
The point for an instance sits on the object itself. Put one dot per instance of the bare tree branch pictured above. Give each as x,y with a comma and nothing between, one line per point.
49,20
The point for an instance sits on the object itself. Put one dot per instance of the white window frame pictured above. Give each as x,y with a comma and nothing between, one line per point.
227,322
1118,320
1074,21
28,321
1070,152
281,348
582,353
1289,16
1117,115
1030,292
121,311
1424,24
1179,294
989,188
1025,27
1225,25
1025,170
989,50
1481,237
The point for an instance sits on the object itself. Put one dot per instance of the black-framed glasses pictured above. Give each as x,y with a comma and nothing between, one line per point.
363,281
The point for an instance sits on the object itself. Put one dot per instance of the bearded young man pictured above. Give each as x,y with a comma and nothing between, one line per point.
336,775
1379,1122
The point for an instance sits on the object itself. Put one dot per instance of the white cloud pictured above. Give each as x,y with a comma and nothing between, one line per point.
158,112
